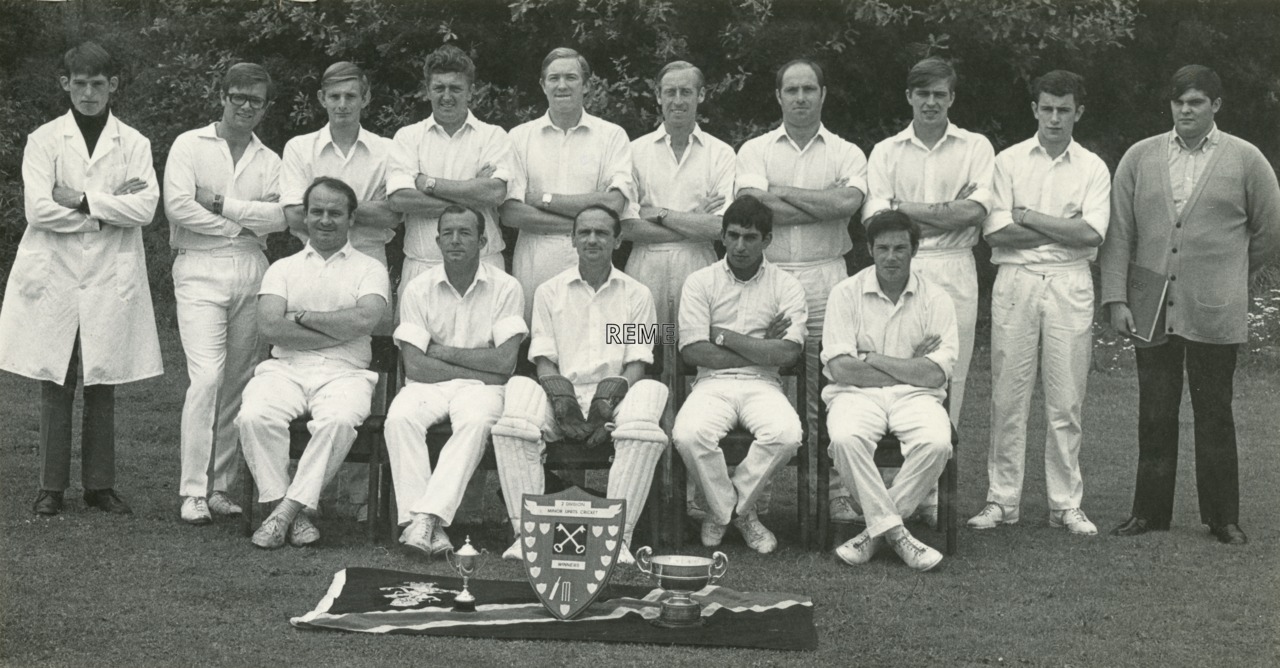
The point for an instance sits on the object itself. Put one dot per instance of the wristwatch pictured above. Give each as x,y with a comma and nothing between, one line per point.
431,185
217,204
546,200
662,216
720,339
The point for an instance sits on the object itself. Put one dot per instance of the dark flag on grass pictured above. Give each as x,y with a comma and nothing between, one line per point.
371,600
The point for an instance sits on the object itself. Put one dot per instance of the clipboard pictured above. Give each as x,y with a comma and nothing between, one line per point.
1146,294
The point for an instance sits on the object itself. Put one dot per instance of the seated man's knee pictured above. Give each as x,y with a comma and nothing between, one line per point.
645,401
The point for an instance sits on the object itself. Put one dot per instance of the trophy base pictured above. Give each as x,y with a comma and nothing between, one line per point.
464,603
679,612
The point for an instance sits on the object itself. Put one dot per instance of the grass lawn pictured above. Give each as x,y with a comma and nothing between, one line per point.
147,590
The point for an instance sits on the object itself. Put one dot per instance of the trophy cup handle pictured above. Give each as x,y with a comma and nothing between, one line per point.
448,557
720,564
644,560
481,560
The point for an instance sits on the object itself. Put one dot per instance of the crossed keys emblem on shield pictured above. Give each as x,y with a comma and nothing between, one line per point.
571,542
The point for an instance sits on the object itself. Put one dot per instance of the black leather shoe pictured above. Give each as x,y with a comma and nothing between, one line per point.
106,500
48,502
1229,534
1136,526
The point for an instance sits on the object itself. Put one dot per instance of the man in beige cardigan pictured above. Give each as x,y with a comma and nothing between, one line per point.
1202,208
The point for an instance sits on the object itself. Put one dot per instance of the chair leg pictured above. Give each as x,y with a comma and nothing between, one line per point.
250,500
679,477
803,497
823,492
951,472
653,509
375,485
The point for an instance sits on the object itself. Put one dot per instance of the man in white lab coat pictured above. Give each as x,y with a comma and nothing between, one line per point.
77,296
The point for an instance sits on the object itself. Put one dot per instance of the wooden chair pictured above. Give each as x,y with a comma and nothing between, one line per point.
888,455
735,445
369,447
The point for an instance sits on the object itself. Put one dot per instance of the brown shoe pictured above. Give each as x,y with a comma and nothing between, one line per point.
1229,534
48,502
107,501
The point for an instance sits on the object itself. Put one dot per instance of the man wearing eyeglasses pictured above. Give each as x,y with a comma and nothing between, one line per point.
221,195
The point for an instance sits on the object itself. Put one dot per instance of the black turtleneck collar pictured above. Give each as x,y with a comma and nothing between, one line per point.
90,127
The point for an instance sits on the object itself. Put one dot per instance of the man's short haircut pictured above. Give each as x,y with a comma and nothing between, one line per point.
1060,83
333,184
680,66
565,52
1198,77
750,213
929,70
89,58
449,59
345,71
246,75
813,65
613,215
892,221
459,210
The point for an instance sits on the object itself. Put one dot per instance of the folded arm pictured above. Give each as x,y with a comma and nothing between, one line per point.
348,323
420,367
279,330
521,216
500,360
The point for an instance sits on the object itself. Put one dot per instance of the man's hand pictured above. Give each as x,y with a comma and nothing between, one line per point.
930,343
420,182
68,197
130,187
777,327
564,403
1122,318
841,182
609,393
968,189
865,344
709,204
270,197
205,197
487,170
533,198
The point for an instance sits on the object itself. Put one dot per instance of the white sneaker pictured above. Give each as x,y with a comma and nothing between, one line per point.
418,535
440,542
915,554
1075,521
757,536
859,549
221,504
302,532
625,558
272,533
928,515
694,508
842,510
712,533
195,510
992,516
515,552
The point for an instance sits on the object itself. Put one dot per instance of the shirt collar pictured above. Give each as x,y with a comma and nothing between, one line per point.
210,131
586,121
347,249
908,134
439,277
824,134
665,137
765,265
1065,156
326,137
431,123
872,286
614,275
1207,142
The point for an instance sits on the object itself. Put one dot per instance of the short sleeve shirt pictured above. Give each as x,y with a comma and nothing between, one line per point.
593,156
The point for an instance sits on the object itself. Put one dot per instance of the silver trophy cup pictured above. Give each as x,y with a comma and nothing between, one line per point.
680,576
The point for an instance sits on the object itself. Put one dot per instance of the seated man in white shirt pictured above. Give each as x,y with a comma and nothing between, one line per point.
317,309
588,385
888,346
460,329
740,319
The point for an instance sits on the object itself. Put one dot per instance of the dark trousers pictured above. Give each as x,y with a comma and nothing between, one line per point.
97,438
1210,372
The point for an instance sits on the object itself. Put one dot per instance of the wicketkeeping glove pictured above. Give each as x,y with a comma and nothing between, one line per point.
609,393
564,403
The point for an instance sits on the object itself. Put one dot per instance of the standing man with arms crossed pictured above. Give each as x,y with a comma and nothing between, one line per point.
814,182
221,194
940,176
740,319
565,161
585,385
684,179
77,295
889,347
460,329
317,309
449,158
1052,205
1202,208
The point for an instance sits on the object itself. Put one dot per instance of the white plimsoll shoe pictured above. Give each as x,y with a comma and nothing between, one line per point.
195,510
272,533
440,542
758,537
418,535
842,510
992,516
915,554
859,549
712,533
515,552
221,504
1074,520
302,532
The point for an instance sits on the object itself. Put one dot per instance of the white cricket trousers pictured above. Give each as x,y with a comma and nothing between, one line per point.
955,271
538,257
717,405
1046,314
857,418
216,294
471,407
663,269
337,397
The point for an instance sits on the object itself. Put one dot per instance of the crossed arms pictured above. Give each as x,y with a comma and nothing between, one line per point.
318,329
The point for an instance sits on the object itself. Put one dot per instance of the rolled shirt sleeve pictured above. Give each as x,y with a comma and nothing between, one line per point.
643,313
